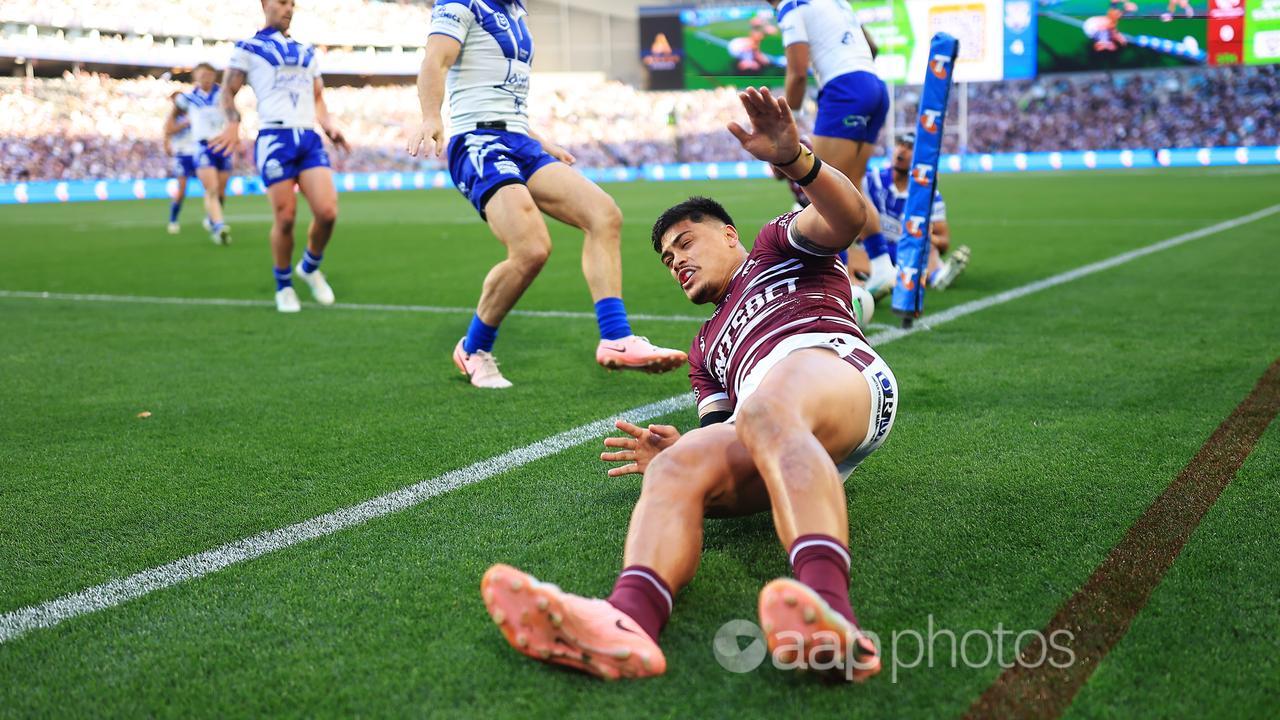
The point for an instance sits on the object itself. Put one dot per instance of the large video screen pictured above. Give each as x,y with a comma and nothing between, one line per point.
738,45
1077,35
731,46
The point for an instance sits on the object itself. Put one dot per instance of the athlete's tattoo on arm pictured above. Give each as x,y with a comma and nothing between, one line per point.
232,81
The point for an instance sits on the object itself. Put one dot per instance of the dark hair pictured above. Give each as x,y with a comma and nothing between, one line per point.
205,66
696,208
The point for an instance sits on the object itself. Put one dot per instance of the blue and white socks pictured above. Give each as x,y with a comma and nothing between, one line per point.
611,316
480,336
175,207
310,262
284,277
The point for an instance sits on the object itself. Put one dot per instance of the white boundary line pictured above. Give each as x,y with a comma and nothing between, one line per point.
115,592
236,302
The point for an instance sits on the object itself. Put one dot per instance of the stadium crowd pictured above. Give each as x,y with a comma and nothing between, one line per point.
326,22
91,126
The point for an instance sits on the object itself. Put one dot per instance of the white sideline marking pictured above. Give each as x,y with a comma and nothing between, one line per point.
115,592
237,302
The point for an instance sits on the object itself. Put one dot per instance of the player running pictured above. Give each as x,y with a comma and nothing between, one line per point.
285,76
511,175
179,143
201,108
887,190
791,399
853,103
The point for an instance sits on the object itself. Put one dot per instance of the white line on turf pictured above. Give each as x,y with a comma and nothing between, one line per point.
121,590
239,302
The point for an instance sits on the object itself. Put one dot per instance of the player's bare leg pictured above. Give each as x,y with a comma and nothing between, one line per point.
284,209
708,471
564,194
516,222
316,185
210,181
175,206
793,427
851,157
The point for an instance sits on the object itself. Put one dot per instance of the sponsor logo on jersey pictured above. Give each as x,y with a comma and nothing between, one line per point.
741,317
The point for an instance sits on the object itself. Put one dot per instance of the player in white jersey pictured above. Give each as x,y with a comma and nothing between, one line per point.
213,168
285,77
887,191
853,102
179,143
479,52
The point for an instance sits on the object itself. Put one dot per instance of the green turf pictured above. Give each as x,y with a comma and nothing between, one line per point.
1030,437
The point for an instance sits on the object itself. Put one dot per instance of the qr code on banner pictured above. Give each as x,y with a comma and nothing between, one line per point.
967,23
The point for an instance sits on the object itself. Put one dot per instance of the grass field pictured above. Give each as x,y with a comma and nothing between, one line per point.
1031,435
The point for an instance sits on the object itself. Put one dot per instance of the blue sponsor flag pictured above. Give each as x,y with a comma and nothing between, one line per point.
913,248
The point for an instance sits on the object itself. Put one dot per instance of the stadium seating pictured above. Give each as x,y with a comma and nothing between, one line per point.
90,126
326,22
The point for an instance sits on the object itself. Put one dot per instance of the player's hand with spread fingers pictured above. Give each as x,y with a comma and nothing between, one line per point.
429,136
774,137
227,140
639,449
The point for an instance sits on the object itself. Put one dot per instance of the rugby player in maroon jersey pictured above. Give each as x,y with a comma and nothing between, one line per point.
791,397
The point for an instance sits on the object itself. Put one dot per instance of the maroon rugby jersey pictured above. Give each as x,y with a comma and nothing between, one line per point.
781,290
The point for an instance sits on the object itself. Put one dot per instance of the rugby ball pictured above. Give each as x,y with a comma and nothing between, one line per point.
864,306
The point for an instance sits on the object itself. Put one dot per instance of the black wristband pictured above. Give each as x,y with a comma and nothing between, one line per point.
812,174
792,160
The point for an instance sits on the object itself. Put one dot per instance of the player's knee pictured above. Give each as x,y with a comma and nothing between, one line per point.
532,254
943,245
325,214
607,221
284,219
677,477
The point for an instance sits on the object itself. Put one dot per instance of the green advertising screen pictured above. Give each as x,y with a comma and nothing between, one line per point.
1261,32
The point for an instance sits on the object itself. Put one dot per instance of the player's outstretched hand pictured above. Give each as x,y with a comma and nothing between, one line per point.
774,137
639,449
429,137
226,142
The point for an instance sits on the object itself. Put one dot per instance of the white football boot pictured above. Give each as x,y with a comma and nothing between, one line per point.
287,300
319,286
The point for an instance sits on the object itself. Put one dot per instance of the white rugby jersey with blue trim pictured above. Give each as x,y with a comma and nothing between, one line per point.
201,108
836,43
489,82
282,73
183,142
892,203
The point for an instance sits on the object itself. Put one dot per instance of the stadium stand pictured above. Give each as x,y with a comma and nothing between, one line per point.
86,125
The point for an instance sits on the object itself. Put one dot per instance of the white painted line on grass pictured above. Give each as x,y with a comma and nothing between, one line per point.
121,590
378,307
